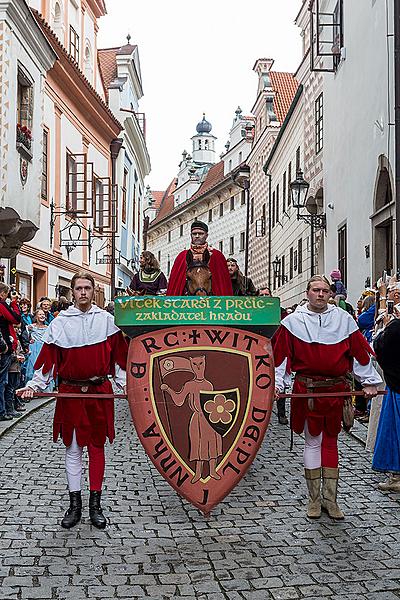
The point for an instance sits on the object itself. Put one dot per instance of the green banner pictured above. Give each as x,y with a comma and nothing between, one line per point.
162,311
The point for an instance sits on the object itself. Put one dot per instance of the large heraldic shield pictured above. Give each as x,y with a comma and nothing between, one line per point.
200,399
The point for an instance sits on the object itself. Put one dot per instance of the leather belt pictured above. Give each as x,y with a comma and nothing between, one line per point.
313,384
321,383
84,384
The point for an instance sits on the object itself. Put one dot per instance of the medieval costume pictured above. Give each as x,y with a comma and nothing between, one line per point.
149,282
387,446
83,349
216,262
322,349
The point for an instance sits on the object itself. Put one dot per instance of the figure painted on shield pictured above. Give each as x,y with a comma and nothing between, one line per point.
205,442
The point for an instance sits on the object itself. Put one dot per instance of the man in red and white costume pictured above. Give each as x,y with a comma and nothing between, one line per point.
321,344
82,347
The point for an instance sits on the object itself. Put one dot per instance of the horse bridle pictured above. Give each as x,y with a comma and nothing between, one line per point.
199,289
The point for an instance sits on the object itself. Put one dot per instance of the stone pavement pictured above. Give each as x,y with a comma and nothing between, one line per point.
256,545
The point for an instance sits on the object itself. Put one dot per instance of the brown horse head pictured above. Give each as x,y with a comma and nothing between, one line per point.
198,275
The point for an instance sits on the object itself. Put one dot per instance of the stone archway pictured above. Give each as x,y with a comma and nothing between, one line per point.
383,220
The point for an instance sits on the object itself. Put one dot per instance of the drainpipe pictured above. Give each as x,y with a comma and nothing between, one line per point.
397,123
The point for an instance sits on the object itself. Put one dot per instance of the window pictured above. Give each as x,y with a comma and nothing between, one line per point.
221,209
284,192
72,183
232,203
242,197
289,197
300,256
88,62
297,160
24,114
252,210
159,256
169,236
169,265
240,158
232,245
273,209
295,264
221,246
291,263
242,241
45,165
342,252
74,44
181,230
210,215
319,123
99,204
283,276
277,203
230,166
124,192
134,209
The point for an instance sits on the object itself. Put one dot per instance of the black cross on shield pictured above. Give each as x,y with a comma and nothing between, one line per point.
221,409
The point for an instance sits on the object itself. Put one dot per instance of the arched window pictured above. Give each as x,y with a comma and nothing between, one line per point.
206,145
58,20
199,144
88,66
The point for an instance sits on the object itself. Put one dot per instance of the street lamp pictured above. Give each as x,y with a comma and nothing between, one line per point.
299,192
276,265
241,176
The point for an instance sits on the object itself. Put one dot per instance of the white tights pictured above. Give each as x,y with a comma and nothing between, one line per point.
73,465
312,449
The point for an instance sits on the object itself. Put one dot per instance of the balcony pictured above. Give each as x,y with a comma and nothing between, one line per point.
24,141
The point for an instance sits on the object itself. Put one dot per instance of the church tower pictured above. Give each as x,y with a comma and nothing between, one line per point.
203,143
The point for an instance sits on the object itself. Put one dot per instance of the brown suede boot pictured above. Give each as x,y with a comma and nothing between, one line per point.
330,480
313,480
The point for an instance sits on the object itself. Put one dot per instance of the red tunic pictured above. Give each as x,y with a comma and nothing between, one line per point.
221,281
319,360
93,420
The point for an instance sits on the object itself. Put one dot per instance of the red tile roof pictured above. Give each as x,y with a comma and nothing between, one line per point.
108,65
167,202
285,87
214,176
158,196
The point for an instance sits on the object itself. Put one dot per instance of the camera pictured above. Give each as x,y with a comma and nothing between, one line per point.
390,307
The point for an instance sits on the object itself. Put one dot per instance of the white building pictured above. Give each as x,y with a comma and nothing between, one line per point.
82,117
359,142
275,93
25,57
121,74
205,191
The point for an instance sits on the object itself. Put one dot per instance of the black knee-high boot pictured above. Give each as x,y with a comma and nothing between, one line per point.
74,513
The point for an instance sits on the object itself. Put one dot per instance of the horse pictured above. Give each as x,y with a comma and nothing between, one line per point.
198,275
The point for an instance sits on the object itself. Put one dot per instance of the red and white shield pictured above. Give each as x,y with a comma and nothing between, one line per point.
201,402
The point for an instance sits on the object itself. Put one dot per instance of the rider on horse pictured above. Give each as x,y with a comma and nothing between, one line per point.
200,253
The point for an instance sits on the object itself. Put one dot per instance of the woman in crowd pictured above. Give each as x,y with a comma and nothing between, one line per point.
150,280
36,332
25,308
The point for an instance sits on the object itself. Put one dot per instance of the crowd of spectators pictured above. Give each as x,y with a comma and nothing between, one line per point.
21,332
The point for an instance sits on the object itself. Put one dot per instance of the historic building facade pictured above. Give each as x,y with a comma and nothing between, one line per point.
359,150
25,57
275,92
206,190
90,192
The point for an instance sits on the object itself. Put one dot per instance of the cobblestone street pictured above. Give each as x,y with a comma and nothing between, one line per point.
257,544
